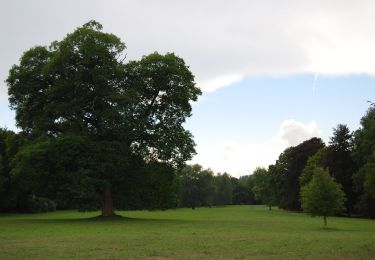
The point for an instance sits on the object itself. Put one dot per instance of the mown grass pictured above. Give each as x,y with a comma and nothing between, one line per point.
224,232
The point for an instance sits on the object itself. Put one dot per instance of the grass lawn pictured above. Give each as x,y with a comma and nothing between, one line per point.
225,232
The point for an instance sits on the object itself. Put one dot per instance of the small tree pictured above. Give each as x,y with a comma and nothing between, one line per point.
322,196
265,187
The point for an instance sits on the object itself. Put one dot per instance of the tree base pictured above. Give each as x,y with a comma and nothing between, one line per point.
113,217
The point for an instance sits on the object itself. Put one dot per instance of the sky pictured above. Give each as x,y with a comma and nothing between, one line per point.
273,73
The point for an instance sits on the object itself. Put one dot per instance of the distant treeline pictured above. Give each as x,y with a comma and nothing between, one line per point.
349,157
202,188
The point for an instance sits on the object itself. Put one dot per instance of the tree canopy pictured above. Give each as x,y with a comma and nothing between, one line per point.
322,196
266,186
341,164
82,87
363,155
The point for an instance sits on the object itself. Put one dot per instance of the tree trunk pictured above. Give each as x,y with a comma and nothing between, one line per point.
325,221
107,201
269,207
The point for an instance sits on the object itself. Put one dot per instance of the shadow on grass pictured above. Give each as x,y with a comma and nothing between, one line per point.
97,219
329,229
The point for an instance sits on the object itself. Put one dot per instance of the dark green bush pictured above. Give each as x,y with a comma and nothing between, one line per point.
36,204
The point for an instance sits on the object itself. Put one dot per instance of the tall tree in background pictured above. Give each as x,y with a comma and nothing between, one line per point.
363,154
364,138
340,163
224,189
290,166
197,186
242,190
322,196
10,144
80,87
365,183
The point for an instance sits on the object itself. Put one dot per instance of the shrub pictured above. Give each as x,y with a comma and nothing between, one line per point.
36,204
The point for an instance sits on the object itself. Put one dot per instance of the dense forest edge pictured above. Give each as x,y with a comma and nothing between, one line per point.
44,176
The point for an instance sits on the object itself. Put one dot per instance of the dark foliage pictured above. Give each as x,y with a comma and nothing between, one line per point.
88,115
290,165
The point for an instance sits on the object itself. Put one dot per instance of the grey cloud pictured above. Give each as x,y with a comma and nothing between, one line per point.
216,38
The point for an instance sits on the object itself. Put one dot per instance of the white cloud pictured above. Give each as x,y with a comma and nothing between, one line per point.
292,132
242,158
223,81
239,158
229,151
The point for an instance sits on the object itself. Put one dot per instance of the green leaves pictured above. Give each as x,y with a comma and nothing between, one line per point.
363,153
290,166
364,142
162,88
314,161
322,196
80,87
197,186
266,185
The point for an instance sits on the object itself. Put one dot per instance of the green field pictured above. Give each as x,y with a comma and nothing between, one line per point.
225,232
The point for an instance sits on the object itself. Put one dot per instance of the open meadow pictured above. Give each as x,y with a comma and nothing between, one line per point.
220,232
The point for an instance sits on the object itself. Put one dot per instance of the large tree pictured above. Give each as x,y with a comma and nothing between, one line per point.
81,87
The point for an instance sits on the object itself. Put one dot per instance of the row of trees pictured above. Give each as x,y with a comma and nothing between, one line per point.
348,159
202,188
60,172
63,170
51,168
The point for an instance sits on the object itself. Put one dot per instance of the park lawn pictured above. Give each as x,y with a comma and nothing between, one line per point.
218,232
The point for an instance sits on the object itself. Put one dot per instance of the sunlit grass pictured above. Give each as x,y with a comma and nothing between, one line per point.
225,232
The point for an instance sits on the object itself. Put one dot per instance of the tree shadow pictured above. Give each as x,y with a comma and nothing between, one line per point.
97,219
330,229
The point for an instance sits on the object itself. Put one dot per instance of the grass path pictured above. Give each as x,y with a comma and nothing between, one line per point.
221,233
